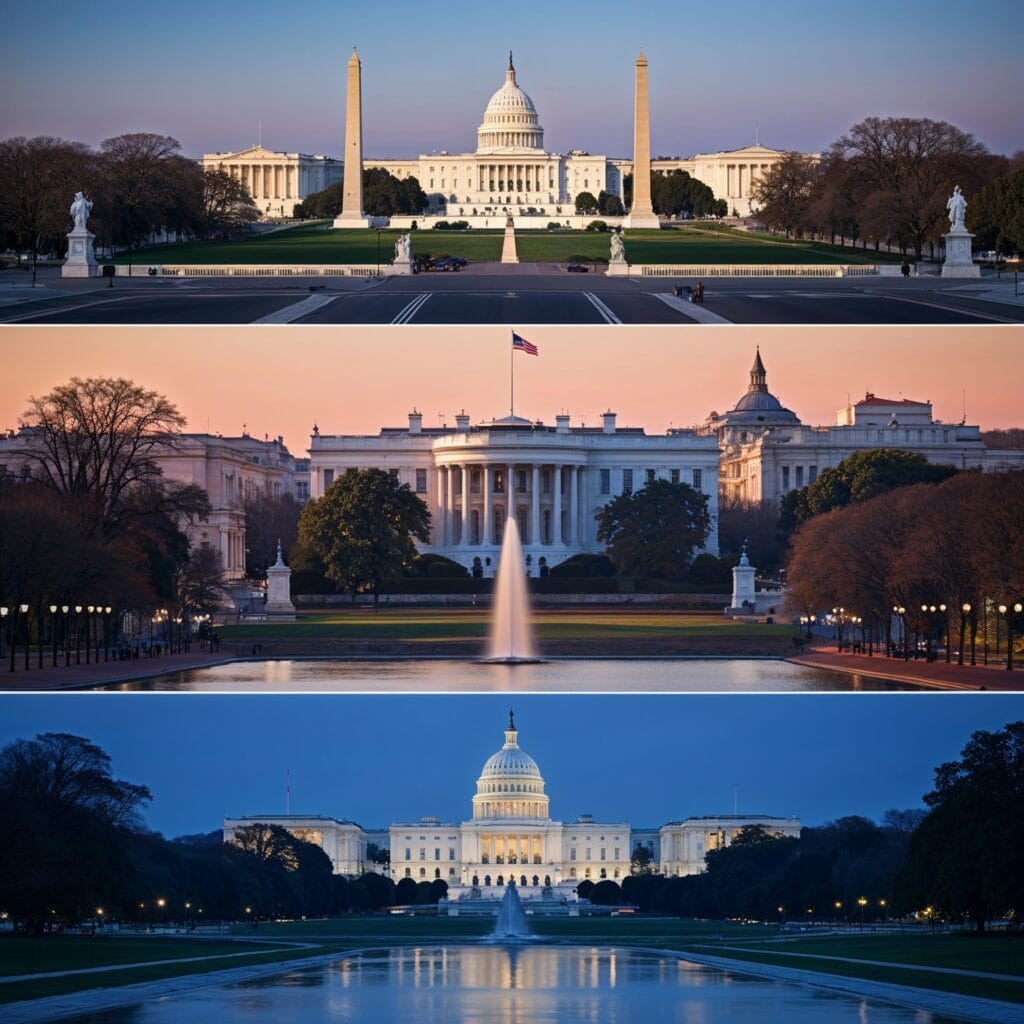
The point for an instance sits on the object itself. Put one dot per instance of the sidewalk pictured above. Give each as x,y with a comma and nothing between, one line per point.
104,672
936,674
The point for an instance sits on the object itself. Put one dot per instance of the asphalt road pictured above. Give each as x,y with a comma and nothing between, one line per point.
519,297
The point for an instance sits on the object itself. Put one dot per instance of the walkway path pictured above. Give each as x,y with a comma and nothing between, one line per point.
768,951
102,672
935,674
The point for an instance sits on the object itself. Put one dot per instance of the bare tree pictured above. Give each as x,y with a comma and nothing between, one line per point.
784,193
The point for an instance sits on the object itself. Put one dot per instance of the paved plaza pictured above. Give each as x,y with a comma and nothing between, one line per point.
491,294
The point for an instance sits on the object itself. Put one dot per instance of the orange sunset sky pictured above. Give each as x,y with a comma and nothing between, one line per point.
279,380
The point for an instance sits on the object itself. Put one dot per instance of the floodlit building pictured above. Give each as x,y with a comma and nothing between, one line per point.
766,451
511,836
552,479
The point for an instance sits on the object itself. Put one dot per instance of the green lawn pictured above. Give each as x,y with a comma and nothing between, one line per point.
391,624
320,244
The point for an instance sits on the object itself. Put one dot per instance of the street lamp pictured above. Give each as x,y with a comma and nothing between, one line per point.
78,635
3,622
1008,614
53,632
23,608
965,611
862,902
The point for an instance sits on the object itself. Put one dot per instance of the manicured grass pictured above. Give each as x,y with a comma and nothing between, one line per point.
321,244
389,928
1000,954
391,624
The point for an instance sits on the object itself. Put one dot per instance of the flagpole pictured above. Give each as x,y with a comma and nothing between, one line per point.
512,376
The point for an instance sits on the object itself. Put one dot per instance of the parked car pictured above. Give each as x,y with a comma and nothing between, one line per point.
577,268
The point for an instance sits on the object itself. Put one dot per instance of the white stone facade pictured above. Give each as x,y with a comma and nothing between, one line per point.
685,844
552,479
276,181
344,842
766,451
229,469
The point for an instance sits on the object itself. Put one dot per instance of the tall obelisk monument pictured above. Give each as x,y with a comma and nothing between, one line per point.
352,215
641,212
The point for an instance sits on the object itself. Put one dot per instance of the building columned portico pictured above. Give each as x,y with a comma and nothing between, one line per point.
552,480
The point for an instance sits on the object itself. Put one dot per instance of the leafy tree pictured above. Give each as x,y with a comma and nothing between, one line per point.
584,566
65,818
783,194
436,567
642,860
377,855
606,893
227,205
384,195
966,857
751,835
405,891
38,179
860,476
653,532
269,518
586,202
200,582
679,193
996,214
363,529
609,205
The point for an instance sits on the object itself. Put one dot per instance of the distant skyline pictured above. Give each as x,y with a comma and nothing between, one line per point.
282,380
647,758
798,72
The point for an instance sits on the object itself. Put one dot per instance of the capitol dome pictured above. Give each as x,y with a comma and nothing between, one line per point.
759,407
510,120
510,785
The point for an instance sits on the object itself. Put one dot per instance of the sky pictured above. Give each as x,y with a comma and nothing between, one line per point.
799,72
280,380
647,758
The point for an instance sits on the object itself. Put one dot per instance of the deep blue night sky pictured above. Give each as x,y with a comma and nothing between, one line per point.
644,758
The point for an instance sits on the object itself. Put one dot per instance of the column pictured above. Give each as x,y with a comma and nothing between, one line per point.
450,497
464,540
487,504
556,514
574,509
442,507
510,492
535,505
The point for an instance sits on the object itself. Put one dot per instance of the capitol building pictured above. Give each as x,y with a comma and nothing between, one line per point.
511,836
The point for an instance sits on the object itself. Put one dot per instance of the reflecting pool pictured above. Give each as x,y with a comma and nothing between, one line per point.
512,985
659,675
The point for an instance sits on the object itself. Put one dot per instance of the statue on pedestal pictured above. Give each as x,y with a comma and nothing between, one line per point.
403,249
957,207
80,210
618,248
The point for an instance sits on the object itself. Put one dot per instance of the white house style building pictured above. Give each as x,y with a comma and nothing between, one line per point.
552,479
344,842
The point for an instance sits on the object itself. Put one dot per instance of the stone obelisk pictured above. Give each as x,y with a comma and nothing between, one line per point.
352,215
641,212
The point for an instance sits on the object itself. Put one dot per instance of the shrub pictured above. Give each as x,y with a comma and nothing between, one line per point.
709,569
437,567
597,225
441,225
584,566
553,225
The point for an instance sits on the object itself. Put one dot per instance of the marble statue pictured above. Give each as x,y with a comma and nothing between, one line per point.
618,248
403,249
80,210
957,207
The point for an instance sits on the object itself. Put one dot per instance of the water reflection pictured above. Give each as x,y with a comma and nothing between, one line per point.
658,675
517,985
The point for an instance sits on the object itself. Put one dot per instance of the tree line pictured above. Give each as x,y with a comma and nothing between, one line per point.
384,195
139,183
886,181
919,564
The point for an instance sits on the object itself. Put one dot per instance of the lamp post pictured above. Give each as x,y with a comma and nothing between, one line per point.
862,902
1008,613
78,635
23,608
53,632
945,620
3,625
65,634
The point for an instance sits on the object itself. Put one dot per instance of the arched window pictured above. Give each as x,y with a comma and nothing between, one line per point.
604,872
522,881
487,880
501,880
572,872
423,872
437,872
547,880
408,872
536,880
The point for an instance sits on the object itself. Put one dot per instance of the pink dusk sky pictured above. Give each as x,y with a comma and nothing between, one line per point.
279,380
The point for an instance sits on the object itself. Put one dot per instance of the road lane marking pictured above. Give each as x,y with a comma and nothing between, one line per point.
63,309
411,309
606,313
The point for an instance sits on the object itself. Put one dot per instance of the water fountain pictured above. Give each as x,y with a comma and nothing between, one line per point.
511,635
511,925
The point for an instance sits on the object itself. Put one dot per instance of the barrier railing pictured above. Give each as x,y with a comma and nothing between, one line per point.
253,270
754,270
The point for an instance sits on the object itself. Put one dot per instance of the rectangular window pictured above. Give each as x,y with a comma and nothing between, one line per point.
588,853
408,853
423,853
545,481
698,479
499,481
812,474
572,853
799,476
393,473
451,853
675,476
617,857
521,481
606,481
421,481
437,853
627,481
785,479
651,474
328,478
456,482
603,851
474,482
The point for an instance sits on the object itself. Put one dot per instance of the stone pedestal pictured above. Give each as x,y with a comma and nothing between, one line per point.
81,260
744,596
279,591
508,245
958,261
400,267
343,221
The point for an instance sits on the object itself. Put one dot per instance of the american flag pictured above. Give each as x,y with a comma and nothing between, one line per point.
523,345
